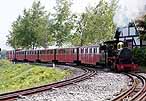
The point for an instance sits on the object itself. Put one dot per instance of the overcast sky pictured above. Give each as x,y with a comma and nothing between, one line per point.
10,9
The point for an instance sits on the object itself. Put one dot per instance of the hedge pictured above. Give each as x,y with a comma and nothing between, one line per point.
140,55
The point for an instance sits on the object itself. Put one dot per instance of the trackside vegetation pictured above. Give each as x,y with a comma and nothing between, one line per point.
21,76
140,56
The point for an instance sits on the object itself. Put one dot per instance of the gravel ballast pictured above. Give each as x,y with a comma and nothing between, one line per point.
102,87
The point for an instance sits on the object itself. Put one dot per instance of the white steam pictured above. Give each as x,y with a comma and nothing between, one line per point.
129,10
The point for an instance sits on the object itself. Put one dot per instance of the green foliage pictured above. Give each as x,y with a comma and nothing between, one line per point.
35,28
63,22
96,24
20,76
31,29
140,55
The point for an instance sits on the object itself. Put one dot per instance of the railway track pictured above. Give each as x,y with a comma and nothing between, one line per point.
88,72
137,91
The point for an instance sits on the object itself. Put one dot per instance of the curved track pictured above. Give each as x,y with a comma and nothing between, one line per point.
137,91
12,95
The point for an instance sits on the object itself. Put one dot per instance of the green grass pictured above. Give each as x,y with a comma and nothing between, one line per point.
21,76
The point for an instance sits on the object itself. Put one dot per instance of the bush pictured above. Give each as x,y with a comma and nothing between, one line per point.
140,55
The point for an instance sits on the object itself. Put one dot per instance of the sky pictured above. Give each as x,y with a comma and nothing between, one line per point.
10,9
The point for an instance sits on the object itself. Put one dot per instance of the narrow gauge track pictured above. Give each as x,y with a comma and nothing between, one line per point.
89,72
137,92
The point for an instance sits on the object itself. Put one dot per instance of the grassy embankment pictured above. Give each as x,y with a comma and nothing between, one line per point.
20,76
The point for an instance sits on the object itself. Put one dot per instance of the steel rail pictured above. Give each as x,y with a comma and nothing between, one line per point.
140,95
127,92
11,95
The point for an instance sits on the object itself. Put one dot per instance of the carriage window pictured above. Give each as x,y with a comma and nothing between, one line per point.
65,51
35,52
42,52
57,51
90,50
45,51
95,50
39,52
48,52
51,51
82,50
61,51
86,50
74,51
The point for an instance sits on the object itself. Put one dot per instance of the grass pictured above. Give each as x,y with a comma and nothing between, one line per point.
21,76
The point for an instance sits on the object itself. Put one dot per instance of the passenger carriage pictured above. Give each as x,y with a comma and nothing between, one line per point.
89,55
46,55
10,55
19,55
69,55
31,55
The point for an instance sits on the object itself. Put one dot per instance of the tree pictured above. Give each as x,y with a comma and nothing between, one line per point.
96,24
62,23
141,25
31,30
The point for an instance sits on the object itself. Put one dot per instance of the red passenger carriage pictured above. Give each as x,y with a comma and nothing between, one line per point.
11,55
68,55
20,55
89,55
31,55
46,55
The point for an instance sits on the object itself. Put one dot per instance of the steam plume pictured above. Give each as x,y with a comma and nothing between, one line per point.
129,10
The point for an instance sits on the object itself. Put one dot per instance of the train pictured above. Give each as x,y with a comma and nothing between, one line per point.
111,54
115,54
